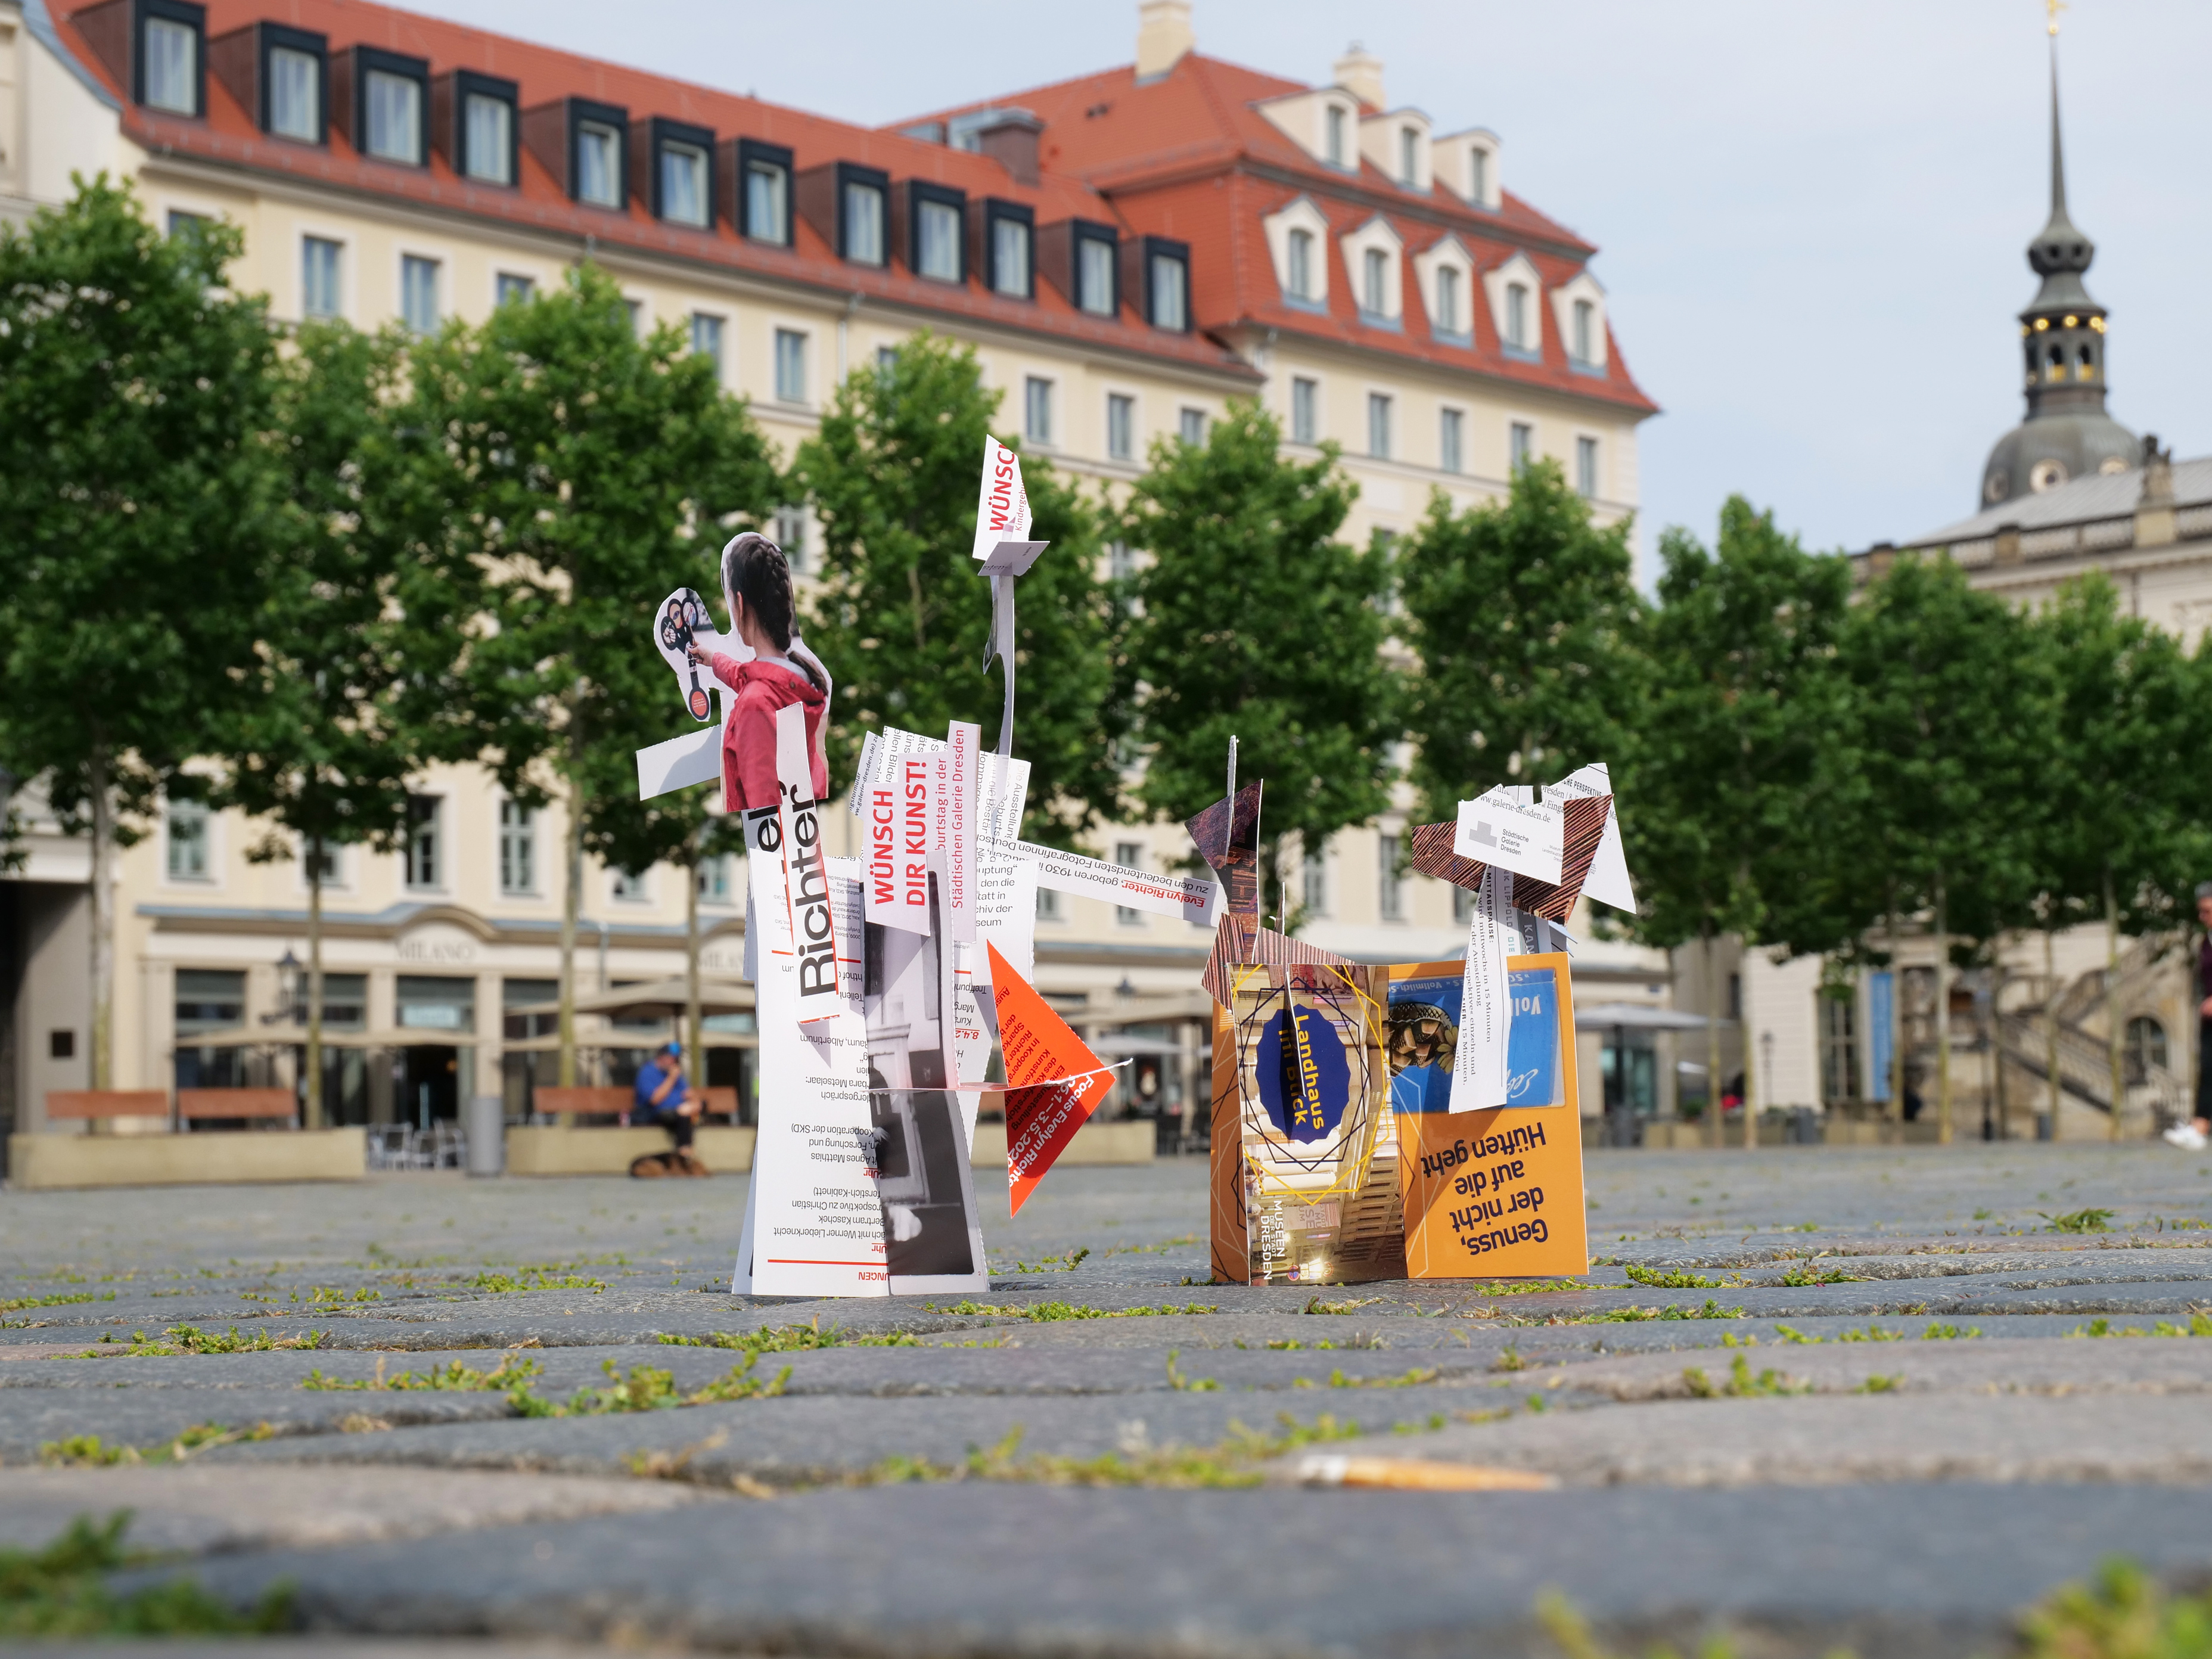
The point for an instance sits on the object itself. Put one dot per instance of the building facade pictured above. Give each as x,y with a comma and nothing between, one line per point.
1126,253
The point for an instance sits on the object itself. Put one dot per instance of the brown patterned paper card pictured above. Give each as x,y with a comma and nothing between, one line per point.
1432,855
1585,828
1228,837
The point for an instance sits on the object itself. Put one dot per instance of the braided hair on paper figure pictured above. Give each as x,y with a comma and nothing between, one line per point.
756,588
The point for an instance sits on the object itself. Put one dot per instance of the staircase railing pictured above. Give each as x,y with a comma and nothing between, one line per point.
2085,1067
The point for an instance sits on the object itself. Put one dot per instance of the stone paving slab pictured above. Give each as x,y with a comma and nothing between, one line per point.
2120,1366
31,1418
1893,1572
827,1438
195,1510
1831,1440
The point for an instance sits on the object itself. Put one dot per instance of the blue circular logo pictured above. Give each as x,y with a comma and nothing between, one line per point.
1305,1080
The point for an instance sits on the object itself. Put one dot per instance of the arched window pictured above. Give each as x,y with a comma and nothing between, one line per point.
2056,364
1300,261
1517,316
2086,364
2145,1049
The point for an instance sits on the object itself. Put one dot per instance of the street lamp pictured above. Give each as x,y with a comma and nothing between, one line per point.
288,991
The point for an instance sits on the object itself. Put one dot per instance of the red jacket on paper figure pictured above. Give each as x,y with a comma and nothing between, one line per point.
749,740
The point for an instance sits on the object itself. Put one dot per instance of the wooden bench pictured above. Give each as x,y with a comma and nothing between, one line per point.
204,1103
722,1102
94,1104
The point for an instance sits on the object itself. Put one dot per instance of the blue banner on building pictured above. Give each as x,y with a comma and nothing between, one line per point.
1882,1024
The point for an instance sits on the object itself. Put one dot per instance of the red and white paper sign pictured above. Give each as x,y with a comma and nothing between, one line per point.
900,811
1002,505
1054,1082
963,744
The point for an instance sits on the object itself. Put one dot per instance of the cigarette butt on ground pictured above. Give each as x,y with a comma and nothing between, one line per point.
1420,1474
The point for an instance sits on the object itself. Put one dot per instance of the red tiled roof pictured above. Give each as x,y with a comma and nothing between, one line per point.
229,135
1189,155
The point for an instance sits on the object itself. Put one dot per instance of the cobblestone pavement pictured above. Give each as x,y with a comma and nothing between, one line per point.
1881,1398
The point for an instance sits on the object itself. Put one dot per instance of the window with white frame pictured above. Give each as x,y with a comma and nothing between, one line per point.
886,361
1478,174
1585,316
636,309
1170,290
683,183
790,365
511,289
1305,411
1335,125
1121,427
318,278
1047,905
324,866
1121,561
1036,410
517,849
1298,257
1409,156
1313,887
1095,275
1452,441
937,242
863,223
296,94
1520,445
188,840
1191,425
715,885
425,848
1010,257
1389,880
1449,318
767,183
707,338
1517,316
489,129
599,164
418,293
395,117
791,535
181,223
1378,425
1132,854
171,66
1586,468
627,887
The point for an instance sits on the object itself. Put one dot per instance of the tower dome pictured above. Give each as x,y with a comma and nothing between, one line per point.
2067,433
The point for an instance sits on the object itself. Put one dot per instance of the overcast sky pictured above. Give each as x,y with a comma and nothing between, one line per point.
1811,215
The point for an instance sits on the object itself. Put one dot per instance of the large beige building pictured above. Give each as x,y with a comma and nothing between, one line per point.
1126,252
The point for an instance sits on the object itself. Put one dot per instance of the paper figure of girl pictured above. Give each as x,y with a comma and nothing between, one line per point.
775,669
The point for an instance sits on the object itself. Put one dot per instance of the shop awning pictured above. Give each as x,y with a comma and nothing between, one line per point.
655,998
1640,1016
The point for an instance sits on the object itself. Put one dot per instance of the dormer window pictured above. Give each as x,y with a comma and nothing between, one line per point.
167,67
1165,268
395,112
487,133
936,219
296,94
850,205
1374,294
599,164
1478,174
1517,316
1009,259
1095,252
764,191
1585,316
682,159
1299,260
1448,317
1409,157
1336,122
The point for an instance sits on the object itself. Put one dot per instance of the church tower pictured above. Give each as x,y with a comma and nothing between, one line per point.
2067,433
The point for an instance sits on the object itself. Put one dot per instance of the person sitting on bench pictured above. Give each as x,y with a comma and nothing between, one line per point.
664,1096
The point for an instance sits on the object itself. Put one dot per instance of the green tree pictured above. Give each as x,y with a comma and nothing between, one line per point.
1943,755
902,616
2117,829
1525,618
1740,706
348,681
1254,621
564,476
138,488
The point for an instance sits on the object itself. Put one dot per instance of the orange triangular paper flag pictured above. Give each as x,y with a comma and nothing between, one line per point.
1049,1098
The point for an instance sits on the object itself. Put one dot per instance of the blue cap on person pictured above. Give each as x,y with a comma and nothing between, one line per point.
675,1048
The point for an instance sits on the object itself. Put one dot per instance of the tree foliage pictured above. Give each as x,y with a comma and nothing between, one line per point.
1253,620
1526,620
902,616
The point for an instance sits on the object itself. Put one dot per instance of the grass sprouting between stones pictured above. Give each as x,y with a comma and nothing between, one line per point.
1800,1278
18,1304
534,1278
1043,1313
1530,1286
2080,1221
89,1451
647,1387
2198,1325
1740,1383
61,1591
796,1339
1066,1263
190,1339
1228,1464
1657,1279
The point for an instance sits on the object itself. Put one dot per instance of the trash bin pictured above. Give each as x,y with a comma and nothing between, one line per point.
485,1129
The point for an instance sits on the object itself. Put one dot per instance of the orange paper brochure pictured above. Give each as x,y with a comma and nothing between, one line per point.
1053,1083
1493,1194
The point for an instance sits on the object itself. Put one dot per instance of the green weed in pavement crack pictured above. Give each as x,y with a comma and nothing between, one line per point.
2080,1221
2198,1325
1712,1309
17,1304
1889,1384
1871,1333
1182,1384
1230,1462
1655,1278
1054,1264
190,1339
1939,1333
90,1451
1349,1305
1046,1312
534,1278
794,1338
1533,1286
1740,1383
62,1592
1798,1277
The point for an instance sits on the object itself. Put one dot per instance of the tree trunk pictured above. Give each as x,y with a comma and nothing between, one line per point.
1942,1015
1896,1011
572,905
103,924
2050,1024
314,1112
2112,1003
1713,1044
